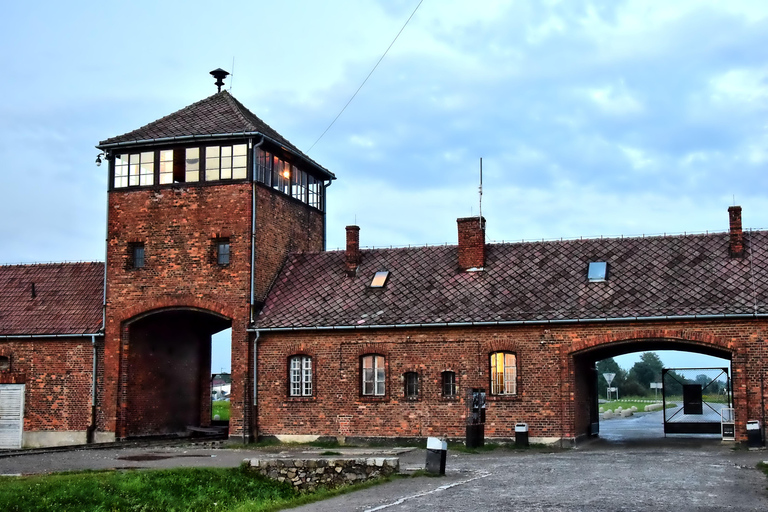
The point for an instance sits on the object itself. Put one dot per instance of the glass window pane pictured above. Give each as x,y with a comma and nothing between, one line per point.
240,149
212,163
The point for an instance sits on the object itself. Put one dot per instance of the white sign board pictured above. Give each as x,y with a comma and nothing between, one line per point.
655,385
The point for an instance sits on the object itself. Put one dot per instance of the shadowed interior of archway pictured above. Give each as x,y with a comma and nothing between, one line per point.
169,372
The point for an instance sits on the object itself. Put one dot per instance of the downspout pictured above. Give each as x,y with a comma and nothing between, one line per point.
253,227
325,229
256,384
92,427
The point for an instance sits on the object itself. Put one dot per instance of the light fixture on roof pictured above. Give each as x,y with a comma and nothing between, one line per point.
597,272
380,279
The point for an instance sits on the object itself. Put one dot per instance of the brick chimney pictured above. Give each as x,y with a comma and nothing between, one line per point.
471,242
352,257
737,237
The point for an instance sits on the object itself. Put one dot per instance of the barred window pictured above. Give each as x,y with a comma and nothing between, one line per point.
301,376
449,384
136,255
373,375
503,373
411,385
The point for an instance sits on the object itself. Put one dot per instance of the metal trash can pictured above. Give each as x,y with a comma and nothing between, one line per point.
437,450
754,435
521,435
475,435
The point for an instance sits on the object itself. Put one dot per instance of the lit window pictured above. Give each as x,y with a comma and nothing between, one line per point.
598,271
135,169
137,255
166,167
380,279
222,252
503,373
301,376
449,384
373,375
192,164
411,385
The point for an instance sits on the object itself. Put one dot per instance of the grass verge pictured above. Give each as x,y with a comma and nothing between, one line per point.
176,490
220,407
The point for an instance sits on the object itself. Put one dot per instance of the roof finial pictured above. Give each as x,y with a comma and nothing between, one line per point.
219,74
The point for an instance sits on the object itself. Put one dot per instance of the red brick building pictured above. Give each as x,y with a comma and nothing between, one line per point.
216,221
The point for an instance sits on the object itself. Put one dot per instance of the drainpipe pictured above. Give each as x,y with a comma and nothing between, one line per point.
253,227
92,427
325,229
256,383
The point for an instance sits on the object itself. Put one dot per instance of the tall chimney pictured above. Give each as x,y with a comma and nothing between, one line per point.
471,242
352,257
737,236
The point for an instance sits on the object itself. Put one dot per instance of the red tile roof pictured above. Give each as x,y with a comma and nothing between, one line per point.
220,114
68,298
534,281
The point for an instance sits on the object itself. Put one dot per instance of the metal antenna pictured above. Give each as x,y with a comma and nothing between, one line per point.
232,75
481,193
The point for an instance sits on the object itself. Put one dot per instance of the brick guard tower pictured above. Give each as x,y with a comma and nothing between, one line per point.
204,206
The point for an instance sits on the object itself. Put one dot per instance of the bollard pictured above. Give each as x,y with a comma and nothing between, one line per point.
521,435
437,450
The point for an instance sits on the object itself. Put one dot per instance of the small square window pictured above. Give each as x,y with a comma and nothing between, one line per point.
222,252
598,271
137,255
380,279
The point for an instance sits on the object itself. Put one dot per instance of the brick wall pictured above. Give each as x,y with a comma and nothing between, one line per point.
553,373
179,227
57,374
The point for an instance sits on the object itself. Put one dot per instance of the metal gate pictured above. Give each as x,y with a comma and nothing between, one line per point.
11,415
693,399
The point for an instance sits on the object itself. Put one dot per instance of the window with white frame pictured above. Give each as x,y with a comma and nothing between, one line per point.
373,375
301,376
503,373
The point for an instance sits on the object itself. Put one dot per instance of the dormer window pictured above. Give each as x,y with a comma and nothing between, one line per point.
597,272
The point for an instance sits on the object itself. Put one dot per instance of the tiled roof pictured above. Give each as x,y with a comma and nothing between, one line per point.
216,115
68,298
536,281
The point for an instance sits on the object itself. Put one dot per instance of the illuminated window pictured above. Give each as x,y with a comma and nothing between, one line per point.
449,384
598,271
380,279
503,373
166,166
373,375
300,376
134,170
411,385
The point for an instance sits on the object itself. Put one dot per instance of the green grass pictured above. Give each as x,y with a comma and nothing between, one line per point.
221,408
173,490
626,404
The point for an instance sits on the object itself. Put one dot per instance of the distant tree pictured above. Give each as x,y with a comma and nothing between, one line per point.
609,366
633,388
647,370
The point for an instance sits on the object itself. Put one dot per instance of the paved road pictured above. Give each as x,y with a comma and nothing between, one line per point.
631,473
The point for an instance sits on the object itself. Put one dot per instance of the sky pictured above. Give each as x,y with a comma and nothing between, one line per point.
592,118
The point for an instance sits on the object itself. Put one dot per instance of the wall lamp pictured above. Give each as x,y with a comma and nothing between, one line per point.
98,158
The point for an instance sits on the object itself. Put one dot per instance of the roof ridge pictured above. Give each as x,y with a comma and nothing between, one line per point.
51,263
238,108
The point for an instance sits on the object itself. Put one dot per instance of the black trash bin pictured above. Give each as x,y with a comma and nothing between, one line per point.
437,449
521,435
754,435
475,435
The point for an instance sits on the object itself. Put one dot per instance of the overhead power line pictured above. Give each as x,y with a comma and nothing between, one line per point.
367,77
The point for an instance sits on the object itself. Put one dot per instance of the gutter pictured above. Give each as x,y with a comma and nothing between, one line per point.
211,136
510,322
38,336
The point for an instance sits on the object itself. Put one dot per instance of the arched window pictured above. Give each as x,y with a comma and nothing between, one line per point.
411,385
300,369
373,375
449,384
503,373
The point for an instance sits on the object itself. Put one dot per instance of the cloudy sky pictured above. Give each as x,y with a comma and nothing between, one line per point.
592,117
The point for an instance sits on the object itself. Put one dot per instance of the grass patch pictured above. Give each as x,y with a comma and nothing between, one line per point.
177,490
626,404
220,407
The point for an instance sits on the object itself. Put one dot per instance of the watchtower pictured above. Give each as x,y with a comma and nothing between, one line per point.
204,205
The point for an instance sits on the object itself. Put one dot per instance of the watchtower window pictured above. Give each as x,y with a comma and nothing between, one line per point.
226,162
289,179
134,169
